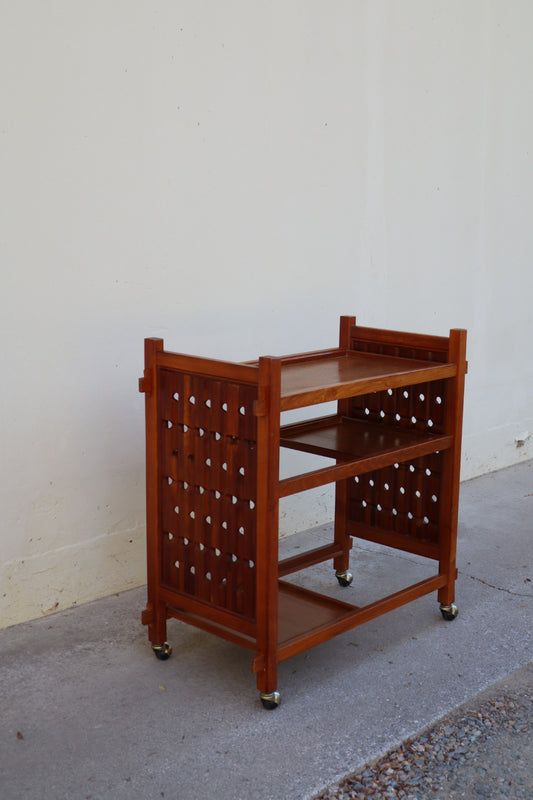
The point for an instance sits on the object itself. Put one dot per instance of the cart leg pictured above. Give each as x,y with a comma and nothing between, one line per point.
343,541
342,562
446,595
157,631
266,668
268,694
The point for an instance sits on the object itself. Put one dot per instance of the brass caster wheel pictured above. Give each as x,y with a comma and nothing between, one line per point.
270,700
162,651
344,577
449,612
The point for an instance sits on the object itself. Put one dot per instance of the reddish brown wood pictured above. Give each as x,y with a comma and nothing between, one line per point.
310,557
400,343
341,376
342,538
303,611
347,439
155,611
213,435
204,621
349,469
390,538
208,367
453,422
268,531
175,601
324,618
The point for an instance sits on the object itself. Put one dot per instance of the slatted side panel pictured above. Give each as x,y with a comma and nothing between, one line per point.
405,498
418,407
426,348
208,490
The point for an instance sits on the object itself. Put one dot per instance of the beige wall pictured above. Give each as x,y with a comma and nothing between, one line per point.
233,176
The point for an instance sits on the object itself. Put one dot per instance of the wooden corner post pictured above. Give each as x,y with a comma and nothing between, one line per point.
452,466
154,616
342,539
268,425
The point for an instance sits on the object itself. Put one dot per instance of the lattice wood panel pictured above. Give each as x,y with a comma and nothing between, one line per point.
401,350
420,407
403,498
208,490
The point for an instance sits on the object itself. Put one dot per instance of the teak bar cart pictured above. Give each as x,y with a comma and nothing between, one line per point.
213,435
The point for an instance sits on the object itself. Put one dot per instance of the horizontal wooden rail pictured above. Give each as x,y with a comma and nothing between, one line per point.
219,616
307,559
400,338
212,627
338,472
372,533
211,368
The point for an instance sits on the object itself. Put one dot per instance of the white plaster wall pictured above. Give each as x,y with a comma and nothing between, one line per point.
233,176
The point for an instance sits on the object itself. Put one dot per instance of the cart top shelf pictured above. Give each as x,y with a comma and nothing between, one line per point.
331,375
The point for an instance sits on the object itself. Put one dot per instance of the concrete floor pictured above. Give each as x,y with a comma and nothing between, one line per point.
88,712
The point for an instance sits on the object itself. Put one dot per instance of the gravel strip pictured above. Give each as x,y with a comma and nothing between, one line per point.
482,750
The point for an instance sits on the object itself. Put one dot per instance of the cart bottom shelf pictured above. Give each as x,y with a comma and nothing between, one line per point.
303,613
307,618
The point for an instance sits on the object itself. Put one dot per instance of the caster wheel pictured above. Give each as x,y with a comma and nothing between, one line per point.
344,578
270,701
449,612
162,651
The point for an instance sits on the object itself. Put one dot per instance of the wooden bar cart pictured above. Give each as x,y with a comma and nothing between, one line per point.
213,436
